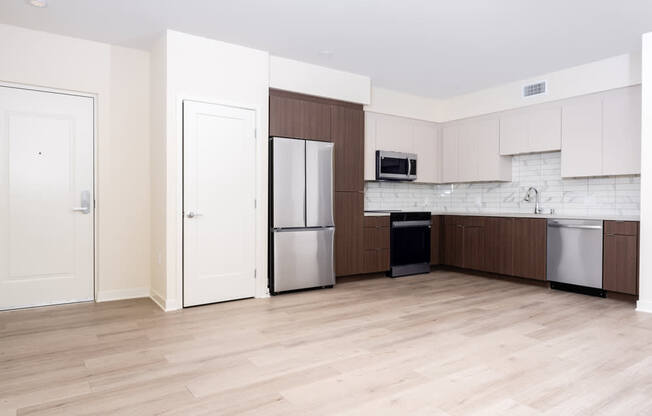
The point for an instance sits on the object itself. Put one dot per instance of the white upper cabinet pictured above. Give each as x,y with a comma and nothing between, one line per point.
399,134
601,134
395,134
470,152
621,132
530,130
450,136
581,151
427,146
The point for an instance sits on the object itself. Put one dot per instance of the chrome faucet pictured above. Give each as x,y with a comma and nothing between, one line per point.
528,198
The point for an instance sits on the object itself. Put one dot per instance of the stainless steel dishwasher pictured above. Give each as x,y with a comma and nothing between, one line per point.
574,250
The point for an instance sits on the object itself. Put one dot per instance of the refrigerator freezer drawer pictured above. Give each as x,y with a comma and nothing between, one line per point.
303,259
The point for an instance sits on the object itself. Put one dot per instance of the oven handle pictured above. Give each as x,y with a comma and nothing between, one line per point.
407,224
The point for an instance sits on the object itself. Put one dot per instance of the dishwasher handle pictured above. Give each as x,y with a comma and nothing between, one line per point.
582,227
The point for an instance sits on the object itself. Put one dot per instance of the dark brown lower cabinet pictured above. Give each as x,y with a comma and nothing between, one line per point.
453,241
499,245
530,248
376,244
463,242
620,258
376,260
349,215
435,238
473,256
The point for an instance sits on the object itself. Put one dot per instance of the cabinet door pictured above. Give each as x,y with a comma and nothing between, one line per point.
530,248
453,241
297,118
581,137
544,128
394,134
467,156
349,212
348,137
427,147
514,133
370,146
499,235
435,239
474,248
449,163
621,140
491,166
620,260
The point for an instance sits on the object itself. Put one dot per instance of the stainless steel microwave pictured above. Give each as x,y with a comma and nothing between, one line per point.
396,166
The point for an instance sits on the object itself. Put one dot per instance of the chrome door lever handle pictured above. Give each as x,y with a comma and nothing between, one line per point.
193,214
83,210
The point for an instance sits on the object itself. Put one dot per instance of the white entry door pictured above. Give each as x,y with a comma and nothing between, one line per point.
218,202
46,198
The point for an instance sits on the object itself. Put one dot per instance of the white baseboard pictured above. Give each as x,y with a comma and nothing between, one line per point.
121,294
167,305
644,306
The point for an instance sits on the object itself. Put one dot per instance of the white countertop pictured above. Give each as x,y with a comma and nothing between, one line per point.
517,215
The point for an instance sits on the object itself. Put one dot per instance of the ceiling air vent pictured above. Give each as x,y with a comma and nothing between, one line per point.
534,89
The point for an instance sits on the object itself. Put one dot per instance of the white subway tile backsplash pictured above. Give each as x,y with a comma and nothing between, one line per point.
603,196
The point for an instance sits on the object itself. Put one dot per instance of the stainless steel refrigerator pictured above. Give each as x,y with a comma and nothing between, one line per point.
301,215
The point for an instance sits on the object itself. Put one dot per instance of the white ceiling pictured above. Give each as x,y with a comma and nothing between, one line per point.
435,48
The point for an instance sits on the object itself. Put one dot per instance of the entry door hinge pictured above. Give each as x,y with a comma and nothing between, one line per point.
255,272
255,203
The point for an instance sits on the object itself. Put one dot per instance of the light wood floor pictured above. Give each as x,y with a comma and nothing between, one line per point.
439,344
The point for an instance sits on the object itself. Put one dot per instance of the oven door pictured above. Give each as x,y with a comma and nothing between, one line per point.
392,165
410,243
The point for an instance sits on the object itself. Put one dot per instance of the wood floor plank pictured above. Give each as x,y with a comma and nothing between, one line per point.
443,344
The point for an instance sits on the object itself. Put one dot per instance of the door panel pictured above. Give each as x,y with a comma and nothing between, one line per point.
499,233
289,182
319,184
219,187
530,248
349,207
303,259
621,152
581,137
348,137
621,263
46,169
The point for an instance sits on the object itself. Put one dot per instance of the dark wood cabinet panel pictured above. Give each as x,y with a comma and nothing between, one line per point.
435,240
473,247
376,221
453,242
621,227
620,259
348,137
529,248
349,214
376,260
376,237
299,118
499,250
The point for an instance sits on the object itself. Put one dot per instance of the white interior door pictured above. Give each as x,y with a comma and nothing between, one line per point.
46,198
219,193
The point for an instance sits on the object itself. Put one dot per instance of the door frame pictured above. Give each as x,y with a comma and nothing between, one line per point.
179,214
95,230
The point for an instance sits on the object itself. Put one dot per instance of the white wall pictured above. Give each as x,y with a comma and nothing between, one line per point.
212,71
158,105
119,78
400,104
289,75
645,261
616,72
